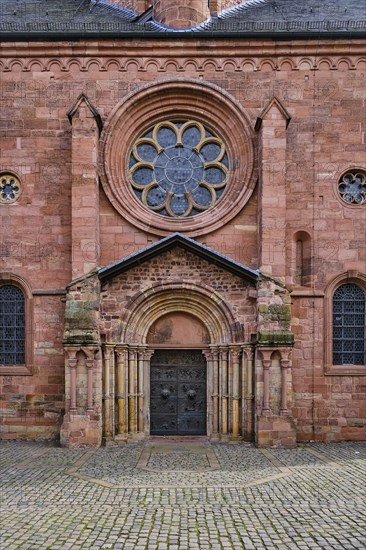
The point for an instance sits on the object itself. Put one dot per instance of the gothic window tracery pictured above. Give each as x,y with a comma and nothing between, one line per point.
352,187
10,188
178,168
349,325
12,325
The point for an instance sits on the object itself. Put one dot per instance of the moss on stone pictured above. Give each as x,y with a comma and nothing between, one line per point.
275,338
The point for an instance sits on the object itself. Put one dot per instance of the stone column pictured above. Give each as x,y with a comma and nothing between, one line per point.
107,354
132,387
212,357
216,393
121,392
266,363
285,364
90,399
235,354
73,363
224,392
140,390
247,365
146,385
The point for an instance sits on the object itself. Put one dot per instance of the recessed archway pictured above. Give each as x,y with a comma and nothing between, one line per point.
193,301
178,329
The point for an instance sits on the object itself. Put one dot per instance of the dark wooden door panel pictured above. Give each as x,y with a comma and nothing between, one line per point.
178,393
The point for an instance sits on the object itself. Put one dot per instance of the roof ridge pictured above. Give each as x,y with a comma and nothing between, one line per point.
179,239
130,15
243,6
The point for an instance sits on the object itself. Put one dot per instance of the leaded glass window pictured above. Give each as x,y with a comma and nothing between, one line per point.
10,188
349,325
12,325
178,168
352,187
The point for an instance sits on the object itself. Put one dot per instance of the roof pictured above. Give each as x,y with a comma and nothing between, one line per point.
57,19
181,241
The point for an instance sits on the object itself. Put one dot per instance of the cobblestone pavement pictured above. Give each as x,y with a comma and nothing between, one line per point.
183,496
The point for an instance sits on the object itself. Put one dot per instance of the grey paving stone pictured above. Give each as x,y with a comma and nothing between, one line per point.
54,498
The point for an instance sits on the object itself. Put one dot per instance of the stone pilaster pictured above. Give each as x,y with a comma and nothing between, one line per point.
82,423
271,126
86,124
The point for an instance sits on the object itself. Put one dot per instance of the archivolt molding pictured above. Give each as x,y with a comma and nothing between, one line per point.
9,278
258,64
152,303
185,98
352,276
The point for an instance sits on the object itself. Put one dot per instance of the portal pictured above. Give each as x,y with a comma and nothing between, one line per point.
178,393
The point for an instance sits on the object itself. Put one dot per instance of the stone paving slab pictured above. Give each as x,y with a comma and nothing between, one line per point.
309,497
232,465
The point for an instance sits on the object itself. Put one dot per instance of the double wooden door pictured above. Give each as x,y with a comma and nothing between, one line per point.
178,393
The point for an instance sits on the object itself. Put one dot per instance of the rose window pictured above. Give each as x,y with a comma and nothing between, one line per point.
178,168
9,188
352,187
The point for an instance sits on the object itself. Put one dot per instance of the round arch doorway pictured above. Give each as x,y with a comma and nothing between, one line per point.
178,376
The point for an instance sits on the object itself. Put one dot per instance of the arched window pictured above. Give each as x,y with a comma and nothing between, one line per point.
12,325
349,325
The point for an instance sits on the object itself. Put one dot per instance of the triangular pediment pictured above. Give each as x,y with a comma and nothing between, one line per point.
181,241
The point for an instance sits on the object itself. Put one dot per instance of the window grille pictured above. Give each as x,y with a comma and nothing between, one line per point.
12,325
349,325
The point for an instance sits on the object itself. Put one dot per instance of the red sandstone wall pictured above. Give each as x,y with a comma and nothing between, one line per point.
170,267
325,96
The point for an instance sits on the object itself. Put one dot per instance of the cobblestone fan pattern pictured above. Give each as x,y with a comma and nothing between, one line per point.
309,497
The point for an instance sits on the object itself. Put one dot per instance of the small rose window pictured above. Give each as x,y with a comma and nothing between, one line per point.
178,168
9,188
352,187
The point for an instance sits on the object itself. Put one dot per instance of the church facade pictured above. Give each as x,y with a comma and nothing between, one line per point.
183,216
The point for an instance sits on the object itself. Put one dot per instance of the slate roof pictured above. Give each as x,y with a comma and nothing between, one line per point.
178,240
24,19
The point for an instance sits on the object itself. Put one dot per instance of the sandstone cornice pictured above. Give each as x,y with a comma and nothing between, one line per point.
183,48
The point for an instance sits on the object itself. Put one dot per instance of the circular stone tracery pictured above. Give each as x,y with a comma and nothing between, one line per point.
10,188
178,168
352,187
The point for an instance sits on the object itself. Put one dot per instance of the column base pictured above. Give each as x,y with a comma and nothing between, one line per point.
81,430
121,439
108,441
235,438
275,431
138,436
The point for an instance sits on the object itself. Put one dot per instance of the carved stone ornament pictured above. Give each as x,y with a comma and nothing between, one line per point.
10,188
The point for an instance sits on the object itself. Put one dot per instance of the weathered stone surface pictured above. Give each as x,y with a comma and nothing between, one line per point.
63,219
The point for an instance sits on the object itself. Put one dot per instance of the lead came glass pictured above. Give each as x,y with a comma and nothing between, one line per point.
352,187
9,188
178,168
349,325
12,326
